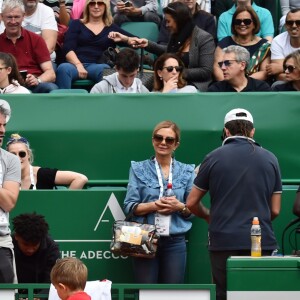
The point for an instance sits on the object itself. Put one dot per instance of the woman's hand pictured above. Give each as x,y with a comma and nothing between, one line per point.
82,72
118,37
168,205
170,85
137,42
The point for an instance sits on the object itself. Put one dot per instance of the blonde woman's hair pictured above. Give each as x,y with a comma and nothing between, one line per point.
16,138
107,17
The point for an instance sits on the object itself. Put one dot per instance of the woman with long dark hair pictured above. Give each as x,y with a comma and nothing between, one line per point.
194,46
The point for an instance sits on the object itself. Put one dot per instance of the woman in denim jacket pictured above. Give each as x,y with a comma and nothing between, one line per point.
148,181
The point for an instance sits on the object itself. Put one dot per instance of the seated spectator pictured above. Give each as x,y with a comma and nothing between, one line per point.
62,10
234,67
201,18
85,41
136,11
37,178
194,46
124,79
69,276
29,49
291,67
284,44
35,251
296,207
264,15
168,70
40,19
10,77
286,6
245,25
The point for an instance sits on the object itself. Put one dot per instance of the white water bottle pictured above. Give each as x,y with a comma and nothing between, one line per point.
169,191
255,238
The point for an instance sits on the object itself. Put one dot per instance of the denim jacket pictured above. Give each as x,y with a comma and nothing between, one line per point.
143,187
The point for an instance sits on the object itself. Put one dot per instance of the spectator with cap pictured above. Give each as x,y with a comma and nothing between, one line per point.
234,66
35,251
244,181
10,180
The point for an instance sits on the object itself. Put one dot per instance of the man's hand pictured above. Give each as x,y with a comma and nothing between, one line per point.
31,80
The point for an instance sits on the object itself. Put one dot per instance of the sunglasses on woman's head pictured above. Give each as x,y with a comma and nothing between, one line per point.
289,68
242,21
171,68
159,138
21,154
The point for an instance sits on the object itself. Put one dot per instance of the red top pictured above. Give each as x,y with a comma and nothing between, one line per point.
30,51
79,296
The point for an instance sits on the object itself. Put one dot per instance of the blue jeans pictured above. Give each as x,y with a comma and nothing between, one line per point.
167,267
43,87
66,73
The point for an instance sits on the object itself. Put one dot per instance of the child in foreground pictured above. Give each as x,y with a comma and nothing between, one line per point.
69,276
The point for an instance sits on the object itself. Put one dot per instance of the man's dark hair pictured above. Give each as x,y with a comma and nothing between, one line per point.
239,127
128,60
31,227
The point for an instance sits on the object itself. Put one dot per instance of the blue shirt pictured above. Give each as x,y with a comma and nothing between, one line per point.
264,15
143,187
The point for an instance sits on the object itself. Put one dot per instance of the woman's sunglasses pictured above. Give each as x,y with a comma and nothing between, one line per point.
171,68
159,138
289,68
21,154
240,21
94,3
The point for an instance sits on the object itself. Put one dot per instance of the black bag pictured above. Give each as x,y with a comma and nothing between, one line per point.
133,238
146,76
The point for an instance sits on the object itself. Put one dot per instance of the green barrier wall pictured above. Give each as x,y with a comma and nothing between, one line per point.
81,222
99,135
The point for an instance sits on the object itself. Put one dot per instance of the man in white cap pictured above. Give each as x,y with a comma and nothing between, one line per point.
10,180
244,181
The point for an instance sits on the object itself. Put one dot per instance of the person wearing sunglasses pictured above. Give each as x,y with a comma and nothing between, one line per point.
234,67
291,68
148,180
245,25
38,178
194,46
84,44
284,44
10,78
168,70
286,6
267,27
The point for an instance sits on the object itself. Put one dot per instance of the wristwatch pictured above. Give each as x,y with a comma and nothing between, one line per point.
39,80
184,210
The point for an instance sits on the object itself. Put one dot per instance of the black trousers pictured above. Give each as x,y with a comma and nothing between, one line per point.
218,261
6,265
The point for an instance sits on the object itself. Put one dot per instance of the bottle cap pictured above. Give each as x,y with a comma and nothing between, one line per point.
255,221
169,186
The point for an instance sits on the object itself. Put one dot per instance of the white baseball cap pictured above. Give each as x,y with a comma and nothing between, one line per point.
238,114
6,106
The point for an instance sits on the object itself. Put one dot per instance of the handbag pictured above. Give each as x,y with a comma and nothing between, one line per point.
133,238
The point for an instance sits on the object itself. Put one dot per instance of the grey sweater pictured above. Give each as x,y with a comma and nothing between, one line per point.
109,83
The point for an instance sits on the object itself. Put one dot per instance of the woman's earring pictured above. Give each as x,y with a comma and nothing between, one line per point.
160,78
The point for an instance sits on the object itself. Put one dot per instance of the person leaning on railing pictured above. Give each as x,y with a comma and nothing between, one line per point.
38,178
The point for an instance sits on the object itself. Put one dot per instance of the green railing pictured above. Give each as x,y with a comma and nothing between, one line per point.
118,291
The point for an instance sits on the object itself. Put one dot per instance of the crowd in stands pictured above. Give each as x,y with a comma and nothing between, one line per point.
56,43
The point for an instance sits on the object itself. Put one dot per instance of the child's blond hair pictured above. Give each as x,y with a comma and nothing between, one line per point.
71,272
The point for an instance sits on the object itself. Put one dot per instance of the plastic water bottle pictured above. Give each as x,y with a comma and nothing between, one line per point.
169,191
255,238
